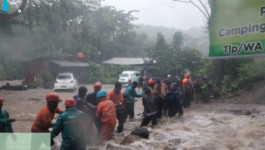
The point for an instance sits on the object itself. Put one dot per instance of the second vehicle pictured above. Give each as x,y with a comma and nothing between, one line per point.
65,81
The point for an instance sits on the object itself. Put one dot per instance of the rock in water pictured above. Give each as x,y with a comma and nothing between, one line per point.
142,132
130,139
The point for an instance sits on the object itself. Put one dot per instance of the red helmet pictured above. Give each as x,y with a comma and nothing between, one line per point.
188,75
70,102
151,82
1,98
97,84
52,97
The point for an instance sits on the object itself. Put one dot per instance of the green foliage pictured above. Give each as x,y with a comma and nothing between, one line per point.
32,85
239,73
171,59
11,70
67,27
206,69
47,79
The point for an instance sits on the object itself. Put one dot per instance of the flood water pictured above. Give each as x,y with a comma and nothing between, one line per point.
206,127
212,126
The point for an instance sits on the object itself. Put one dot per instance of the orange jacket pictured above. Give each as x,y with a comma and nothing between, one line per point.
44,119
106,111
184,82
115,98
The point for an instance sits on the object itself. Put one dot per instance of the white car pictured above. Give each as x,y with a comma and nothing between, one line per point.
65,81
125,76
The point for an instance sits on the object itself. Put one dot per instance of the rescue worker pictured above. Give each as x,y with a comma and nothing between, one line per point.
141,83
169,77
5,122
116,97
92,103
168,86
187,90
107,114
174,101
167,90
150,107
115,94
44,118
159,84
160,99
197,89
122,112
81,99
72,125
132,94
151,84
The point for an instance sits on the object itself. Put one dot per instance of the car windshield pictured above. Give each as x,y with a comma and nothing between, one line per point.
64,77
124,75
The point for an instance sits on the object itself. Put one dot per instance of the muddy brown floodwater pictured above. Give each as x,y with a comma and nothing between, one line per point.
218,125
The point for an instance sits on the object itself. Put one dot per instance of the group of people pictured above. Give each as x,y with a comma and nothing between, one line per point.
104,109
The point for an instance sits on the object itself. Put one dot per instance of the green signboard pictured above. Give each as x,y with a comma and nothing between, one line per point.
237,28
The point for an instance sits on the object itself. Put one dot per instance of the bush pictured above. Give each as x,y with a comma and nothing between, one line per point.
32,85
46,77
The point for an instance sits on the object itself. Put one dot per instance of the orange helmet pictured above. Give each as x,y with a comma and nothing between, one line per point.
97,84
150,82
52,97
70,102
188,75
1,98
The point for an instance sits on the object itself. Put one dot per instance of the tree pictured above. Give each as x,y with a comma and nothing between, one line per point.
177,41
171,60
59,27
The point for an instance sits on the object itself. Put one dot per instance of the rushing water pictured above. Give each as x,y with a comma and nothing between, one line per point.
220,126
203,128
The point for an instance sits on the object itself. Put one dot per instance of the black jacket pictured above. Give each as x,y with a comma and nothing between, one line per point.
150,104
92,98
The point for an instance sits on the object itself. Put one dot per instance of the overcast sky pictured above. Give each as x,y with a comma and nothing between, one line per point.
161,13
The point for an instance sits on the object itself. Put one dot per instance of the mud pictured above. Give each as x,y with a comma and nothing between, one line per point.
218,125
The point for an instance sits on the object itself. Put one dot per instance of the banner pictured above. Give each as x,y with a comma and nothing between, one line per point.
237,28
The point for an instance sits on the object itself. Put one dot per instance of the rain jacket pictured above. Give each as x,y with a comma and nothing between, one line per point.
72,125
132,94
173,102
150,105
44,119
5,124
187,85
107,113
116,98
